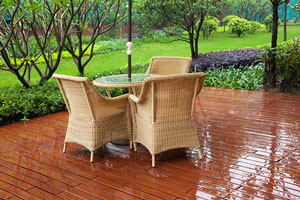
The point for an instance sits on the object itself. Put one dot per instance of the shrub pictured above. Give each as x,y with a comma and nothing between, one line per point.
246,78
173,30
269,22
215,60
209,25
254,26
228,18
18,103
287,58
239,26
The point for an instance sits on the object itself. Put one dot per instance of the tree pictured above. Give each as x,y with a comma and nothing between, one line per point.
97,17
209,25
270,69
251,9
239,26
269,22
296,8
254,26
149,17
227,19
275,5
286,2
226,9
34,24
186,14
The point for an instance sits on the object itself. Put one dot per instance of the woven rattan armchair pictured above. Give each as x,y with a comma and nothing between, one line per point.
165,65
94,119
169,65
163,113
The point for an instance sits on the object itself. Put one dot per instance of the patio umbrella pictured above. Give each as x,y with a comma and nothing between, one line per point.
129,44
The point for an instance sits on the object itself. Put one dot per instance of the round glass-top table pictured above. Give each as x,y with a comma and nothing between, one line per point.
120,81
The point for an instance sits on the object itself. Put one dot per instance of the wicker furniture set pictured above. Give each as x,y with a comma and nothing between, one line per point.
157,112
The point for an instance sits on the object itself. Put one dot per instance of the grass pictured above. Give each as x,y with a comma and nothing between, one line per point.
142,54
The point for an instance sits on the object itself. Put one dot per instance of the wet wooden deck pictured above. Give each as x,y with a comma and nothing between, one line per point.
250,144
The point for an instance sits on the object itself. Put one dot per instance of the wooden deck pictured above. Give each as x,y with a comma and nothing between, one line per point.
250,145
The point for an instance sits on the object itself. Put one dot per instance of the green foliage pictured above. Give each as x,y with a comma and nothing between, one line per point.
251,9
269,22
188,15
254,26
245,78
239,26
296,9
150,48
209,25
287,61
173,30
148,17
101,47
228,18
18,103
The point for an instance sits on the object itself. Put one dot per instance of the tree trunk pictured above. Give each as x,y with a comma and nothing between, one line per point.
121,31
175,32
80,66
22,80
272,75
194,55
275,24
196,45
284,27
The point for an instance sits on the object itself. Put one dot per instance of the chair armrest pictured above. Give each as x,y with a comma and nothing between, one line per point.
134,98
118,98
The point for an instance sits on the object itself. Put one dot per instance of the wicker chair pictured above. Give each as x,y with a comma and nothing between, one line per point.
164,65
94,119
169,65
163,113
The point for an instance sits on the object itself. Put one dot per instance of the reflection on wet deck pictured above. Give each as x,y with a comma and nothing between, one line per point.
250,146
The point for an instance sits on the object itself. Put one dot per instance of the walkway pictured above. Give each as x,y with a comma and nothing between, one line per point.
250,143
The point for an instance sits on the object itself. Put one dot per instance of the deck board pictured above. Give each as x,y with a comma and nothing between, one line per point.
249,141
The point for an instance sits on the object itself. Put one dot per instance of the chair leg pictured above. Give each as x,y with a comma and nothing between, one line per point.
199,153
130,144
65,146
134,146
153,160
92,156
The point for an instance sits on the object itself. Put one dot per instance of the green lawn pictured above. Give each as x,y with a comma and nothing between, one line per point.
142,54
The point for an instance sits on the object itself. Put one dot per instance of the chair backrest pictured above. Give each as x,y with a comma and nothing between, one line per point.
171,97
81,97
169,65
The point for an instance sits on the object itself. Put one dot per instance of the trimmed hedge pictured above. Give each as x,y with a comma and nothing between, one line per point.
18,103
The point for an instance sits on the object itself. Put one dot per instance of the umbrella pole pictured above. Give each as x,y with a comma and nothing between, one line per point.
129,44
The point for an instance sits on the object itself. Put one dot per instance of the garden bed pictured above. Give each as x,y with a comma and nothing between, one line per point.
216,60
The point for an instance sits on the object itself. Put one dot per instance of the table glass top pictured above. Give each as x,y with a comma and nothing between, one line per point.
122,78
